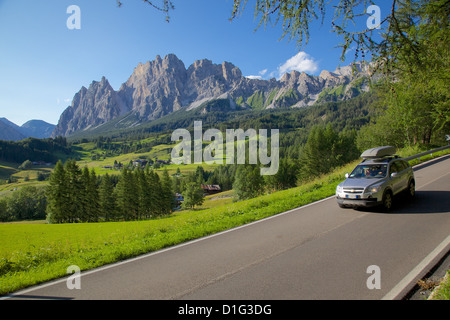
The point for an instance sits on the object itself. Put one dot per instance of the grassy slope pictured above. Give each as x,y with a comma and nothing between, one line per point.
442,292
8,169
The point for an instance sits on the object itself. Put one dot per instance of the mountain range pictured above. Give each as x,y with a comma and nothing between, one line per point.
33,128
164,85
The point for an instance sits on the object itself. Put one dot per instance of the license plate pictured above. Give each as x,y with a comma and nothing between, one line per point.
352,196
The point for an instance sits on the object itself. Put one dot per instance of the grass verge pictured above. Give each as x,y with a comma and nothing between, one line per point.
442,292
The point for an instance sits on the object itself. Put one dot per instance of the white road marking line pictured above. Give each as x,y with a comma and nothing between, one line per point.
401,286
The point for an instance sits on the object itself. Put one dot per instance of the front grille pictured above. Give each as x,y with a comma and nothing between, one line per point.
353,190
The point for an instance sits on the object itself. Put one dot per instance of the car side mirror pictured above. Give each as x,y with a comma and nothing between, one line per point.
346,175
393,174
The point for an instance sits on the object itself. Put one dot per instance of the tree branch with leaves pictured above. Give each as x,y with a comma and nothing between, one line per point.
164,6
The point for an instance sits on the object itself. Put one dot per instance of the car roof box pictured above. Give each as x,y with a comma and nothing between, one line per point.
378,152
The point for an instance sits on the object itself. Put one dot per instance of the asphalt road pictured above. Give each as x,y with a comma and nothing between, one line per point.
319,251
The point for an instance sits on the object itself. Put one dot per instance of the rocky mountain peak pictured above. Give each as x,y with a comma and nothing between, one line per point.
91,107
230,72
164,85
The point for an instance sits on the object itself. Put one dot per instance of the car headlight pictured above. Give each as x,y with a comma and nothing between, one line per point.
338,188
373,189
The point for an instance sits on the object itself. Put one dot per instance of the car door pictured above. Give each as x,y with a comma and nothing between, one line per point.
404,174
396,180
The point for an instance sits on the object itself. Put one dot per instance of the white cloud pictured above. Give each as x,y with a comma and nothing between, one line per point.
260,76
254,77
58,101
301,62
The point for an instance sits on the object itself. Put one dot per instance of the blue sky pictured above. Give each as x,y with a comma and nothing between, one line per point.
43,63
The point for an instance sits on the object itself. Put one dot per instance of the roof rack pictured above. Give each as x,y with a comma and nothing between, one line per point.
379,153
382,159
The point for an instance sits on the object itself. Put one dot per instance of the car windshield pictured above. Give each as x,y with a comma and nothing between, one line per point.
368,171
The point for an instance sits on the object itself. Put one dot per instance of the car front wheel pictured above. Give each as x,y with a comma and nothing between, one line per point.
387,201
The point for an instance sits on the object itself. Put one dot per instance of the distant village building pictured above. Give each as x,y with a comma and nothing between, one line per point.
211,188
140,163
162,161
41,163
117,165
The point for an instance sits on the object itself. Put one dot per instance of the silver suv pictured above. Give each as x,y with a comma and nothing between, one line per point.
376,180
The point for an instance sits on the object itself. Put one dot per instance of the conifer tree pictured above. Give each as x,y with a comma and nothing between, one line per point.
168,197
57,197
155,200
74,189
92,196
146,193
127,199
142,189
83,195
107,200
318,155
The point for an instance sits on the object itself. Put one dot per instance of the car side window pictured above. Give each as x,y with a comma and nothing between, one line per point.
404,164
401,165
395,168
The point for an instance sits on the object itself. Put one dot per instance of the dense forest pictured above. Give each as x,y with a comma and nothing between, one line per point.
77,195
46,150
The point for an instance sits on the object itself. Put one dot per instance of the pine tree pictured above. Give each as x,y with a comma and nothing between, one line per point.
143,195
107,200
155,191
121,194
83,195
88,196
92,196
74,189
319,154
168,197
127,198
57,196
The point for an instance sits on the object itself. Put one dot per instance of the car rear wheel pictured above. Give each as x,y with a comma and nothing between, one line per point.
411,189
387,201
